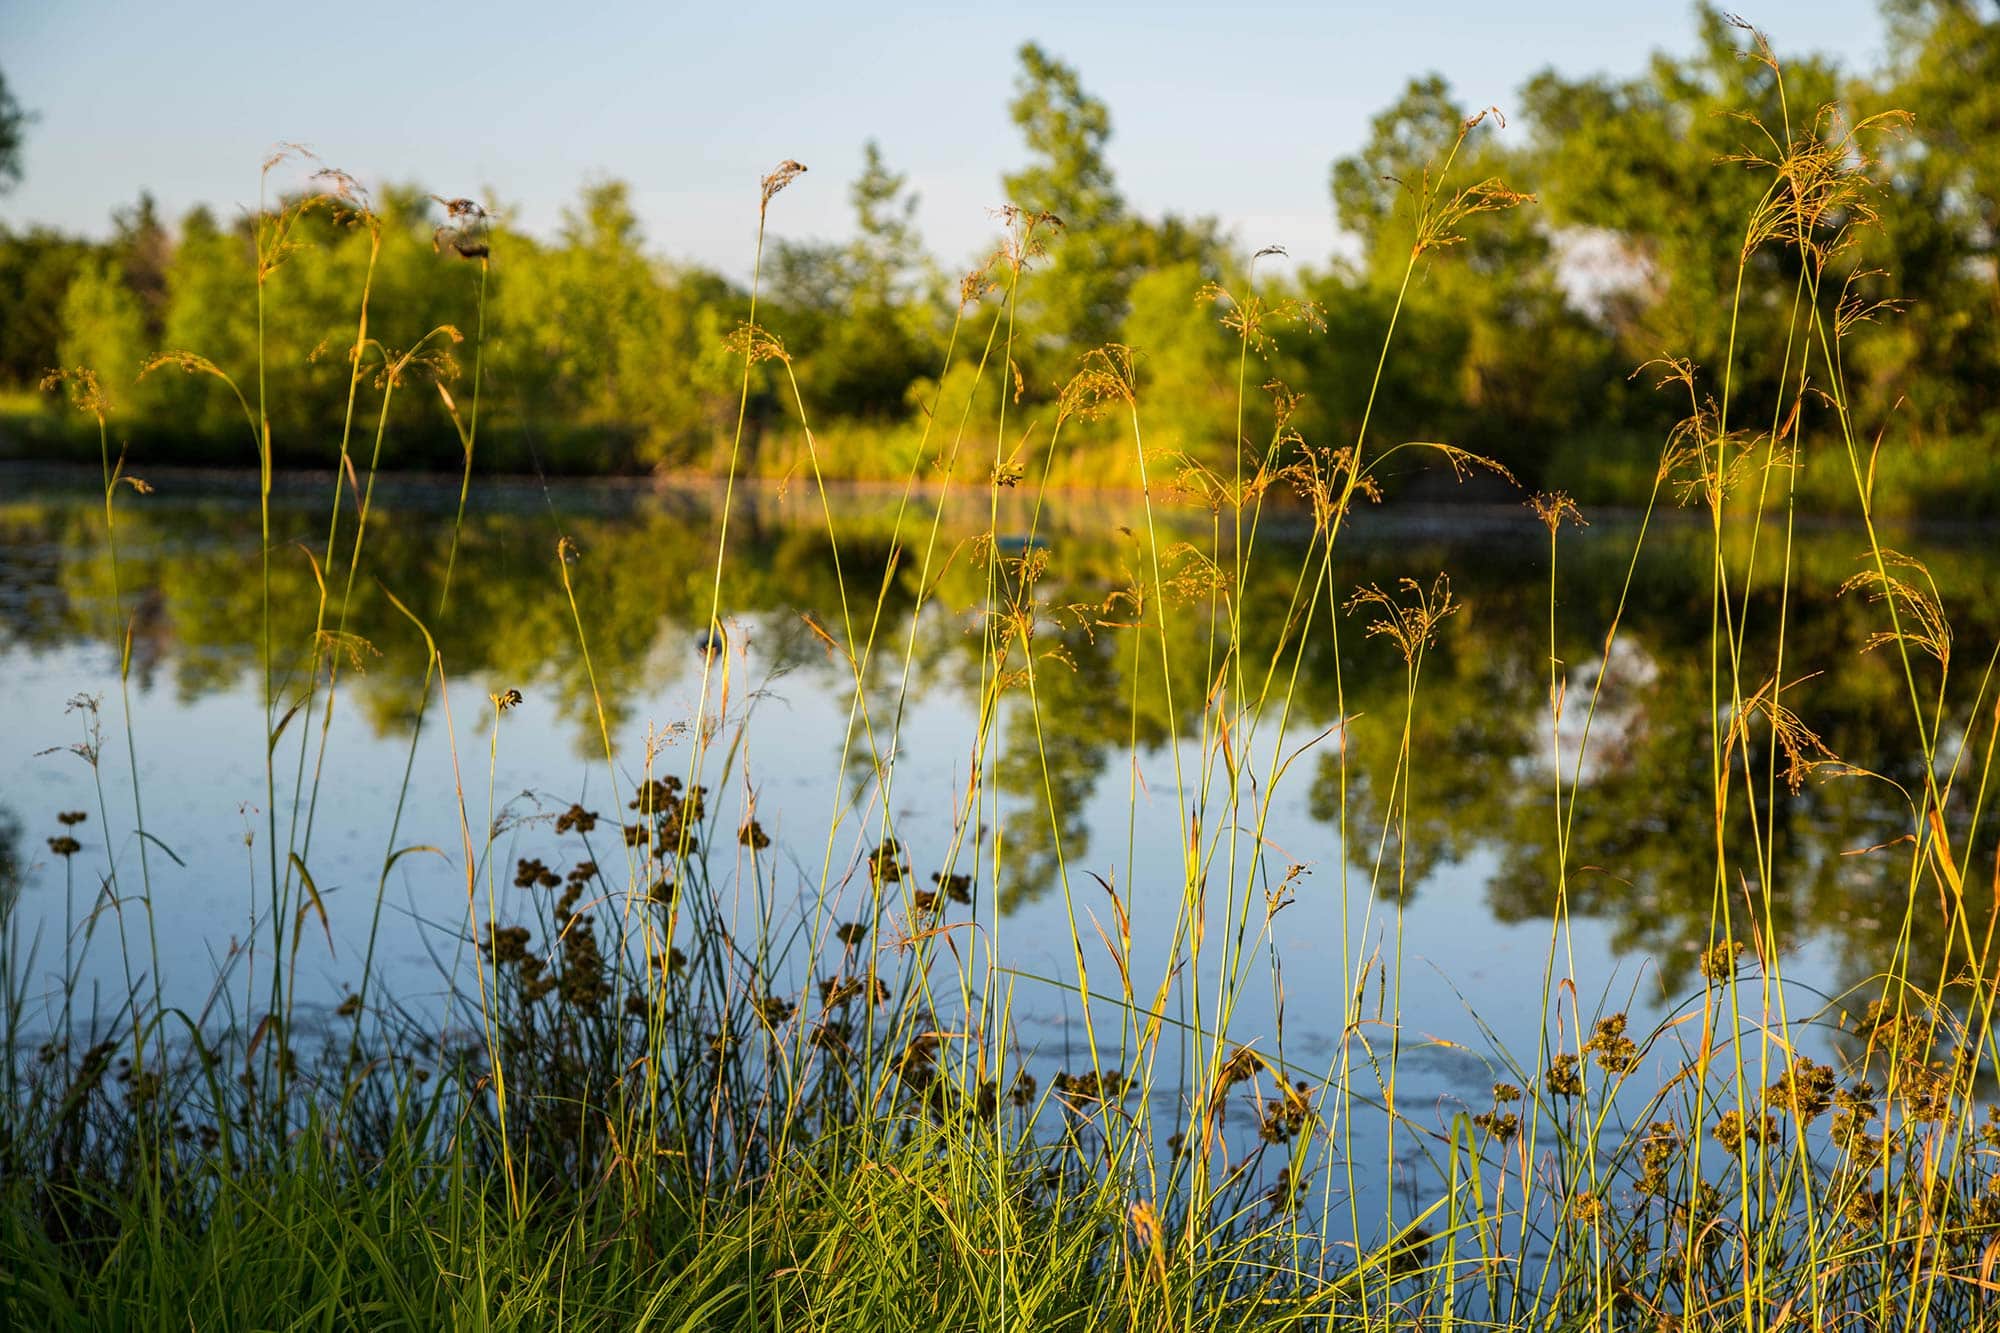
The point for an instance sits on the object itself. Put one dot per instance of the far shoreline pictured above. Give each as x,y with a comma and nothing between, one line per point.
1477,510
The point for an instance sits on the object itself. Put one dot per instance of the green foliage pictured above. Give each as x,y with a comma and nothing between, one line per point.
1525,321
860,318
1940,228
1648,168
1509,362
13,133
1404,145
36,268
1189,369
1080,299
595,338
104,325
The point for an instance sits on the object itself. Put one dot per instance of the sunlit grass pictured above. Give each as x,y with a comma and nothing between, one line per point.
669,1091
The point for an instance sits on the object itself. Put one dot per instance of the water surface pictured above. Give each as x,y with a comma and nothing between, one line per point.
1441,910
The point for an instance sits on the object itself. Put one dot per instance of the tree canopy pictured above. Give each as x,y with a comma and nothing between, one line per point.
1628,196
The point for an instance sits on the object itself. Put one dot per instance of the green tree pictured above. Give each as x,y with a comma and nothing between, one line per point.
36,268
1490,351
144,252
885,339
888,253
13,135
1374,189
1079,298
854,314
887,336
1188,362
104,328
610,349
1945,63
1650,166
1081,295
1940,234
207,287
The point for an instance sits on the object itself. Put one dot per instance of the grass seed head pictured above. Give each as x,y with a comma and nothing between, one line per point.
781,175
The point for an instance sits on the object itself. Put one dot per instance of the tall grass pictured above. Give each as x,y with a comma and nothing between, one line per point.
675,1091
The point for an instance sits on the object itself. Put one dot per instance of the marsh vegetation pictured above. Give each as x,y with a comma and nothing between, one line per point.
961,997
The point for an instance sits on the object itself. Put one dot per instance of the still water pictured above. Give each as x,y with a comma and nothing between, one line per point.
1442,907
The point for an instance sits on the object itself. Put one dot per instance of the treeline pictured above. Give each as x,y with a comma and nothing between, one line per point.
1519,340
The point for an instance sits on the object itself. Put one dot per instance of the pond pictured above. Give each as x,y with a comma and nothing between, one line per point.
1440,915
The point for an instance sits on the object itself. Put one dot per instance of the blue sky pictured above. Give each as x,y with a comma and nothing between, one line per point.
1232,111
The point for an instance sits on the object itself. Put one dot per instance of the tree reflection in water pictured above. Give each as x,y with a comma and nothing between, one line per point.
1483,749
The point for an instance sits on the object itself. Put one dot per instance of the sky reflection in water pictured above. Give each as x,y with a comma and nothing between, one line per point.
1477,873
